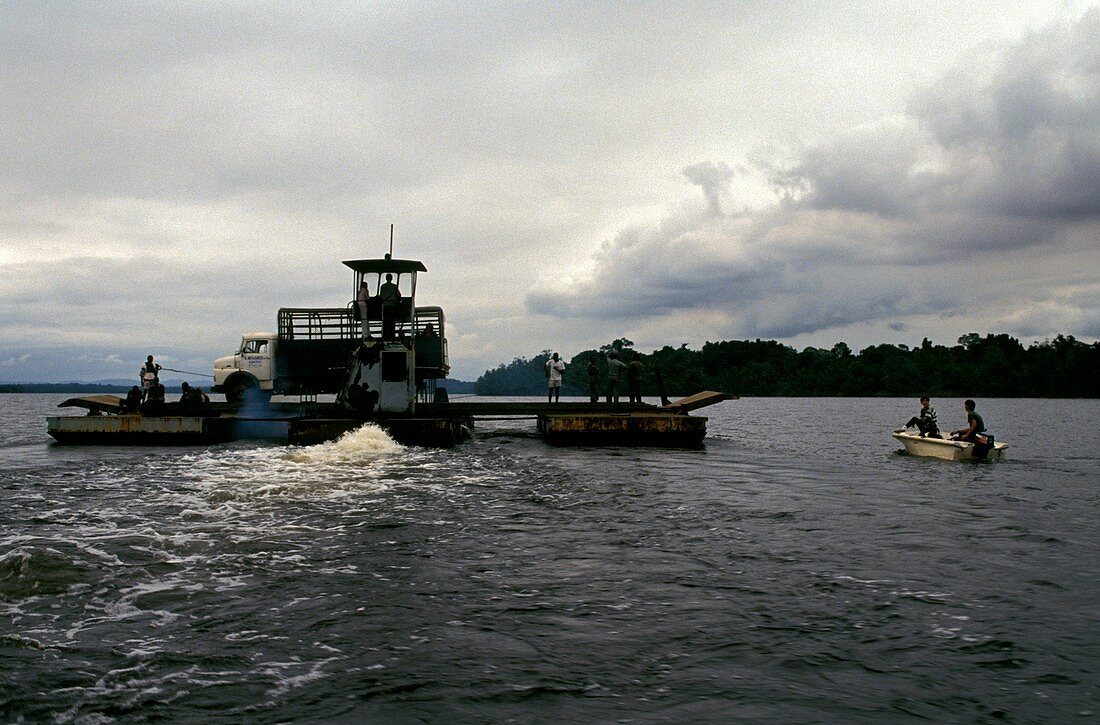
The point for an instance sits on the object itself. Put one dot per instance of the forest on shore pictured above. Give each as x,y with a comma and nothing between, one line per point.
996,366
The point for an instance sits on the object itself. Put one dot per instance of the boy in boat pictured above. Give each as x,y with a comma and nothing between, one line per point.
975,426
974,432
925,420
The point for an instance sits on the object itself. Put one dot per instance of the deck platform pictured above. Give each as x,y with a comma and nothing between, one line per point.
439,424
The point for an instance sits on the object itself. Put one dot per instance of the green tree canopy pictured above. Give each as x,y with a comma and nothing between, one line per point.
991,366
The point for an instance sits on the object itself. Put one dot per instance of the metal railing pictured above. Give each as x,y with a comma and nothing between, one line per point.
318,323
339,323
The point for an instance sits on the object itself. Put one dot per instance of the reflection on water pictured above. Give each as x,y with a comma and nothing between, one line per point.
796,568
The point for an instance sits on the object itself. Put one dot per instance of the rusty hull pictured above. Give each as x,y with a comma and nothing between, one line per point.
631,429
138,430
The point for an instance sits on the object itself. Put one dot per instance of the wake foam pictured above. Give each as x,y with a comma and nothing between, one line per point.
364,443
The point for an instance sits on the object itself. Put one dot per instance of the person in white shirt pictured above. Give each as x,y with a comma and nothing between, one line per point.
554,368
362,297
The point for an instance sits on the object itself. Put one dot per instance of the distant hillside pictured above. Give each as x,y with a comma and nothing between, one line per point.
62,388
452,386
73,388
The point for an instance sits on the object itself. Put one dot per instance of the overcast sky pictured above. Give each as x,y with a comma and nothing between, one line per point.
569,172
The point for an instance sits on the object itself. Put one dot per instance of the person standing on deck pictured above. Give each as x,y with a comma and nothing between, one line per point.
593,380
390,296
389,292
554,369
615,368
150,373
634,380
362,297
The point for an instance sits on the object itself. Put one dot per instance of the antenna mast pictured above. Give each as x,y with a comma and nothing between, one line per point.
391,240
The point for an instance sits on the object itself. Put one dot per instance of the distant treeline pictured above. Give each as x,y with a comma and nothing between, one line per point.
456,386
995,366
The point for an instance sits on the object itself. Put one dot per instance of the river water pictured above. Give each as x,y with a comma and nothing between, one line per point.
796,569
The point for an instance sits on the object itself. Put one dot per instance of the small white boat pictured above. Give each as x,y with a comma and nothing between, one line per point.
946,449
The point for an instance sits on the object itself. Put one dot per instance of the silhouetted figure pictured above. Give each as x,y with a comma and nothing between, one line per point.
634,380
154,399
390,295
133,400
615,368
593,380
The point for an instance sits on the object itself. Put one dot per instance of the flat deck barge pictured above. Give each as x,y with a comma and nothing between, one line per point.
433,424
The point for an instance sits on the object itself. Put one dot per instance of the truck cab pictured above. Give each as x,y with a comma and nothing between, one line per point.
250,370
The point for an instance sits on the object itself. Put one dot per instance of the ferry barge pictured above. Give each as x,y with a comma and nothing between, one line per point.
383,357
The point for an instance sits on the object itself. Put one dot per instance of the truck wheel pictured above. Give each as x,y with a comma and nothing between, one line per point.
238,389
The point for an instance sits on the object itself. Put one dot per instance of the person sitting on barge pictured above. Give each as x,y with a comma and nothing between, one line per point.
133,400
154,400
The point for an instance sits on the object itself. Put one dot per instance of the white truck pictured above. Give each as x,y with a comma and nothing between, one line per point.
393,349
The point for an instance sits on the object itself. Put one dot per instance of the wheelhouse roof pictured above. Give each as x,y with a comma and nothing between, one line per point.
399,266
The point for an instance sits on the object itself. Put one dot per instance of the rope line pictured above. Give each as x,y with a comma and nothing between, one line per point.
187,372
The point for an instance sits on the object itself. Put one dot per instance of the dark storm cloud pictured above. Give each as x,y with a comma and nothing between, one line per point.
994,172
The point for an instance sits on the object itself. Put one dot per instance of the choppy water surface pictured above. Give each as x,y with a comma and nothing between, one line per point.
796,569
